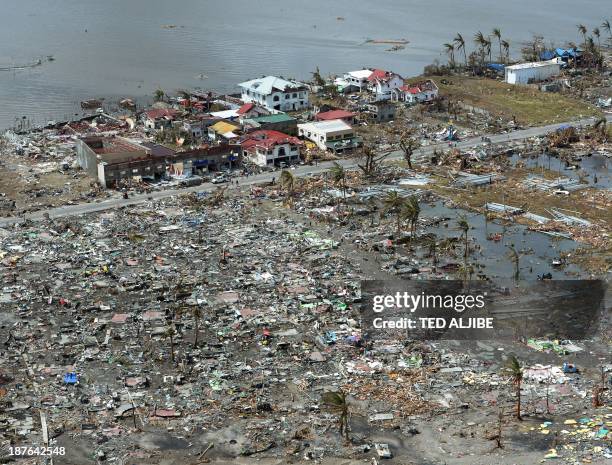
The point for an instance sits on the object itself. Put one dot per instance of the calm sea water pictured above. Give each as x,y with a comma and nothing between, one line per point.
121,48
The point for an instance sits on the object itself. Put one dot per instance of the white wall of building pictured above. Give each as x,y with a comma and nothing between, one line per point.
531,72
282,101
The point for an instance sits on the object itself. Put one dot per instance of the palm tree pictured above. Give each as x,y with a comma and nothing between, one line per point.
450,50
159,95
170,333
412,210
597,34
287,181
515,370
395,203
197,314
461,46
466,271
606,27
582,30
506,46
336,402
480,40
464,226
497,35
338,175
487,48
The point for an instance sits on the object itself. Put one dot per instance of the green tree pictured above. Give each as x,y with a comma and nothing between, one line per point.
159,95
515,370
337,403
411,211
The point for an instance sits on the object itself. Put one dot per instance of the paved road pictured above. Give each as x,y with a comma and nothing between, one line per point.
300,171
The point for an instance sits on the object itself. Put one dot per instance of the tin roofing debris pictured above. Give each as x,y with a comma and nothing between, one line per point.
568,219
566,184
465,178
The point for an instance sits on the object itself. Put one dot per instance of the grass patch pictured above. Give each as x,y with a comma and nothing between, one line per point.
530,106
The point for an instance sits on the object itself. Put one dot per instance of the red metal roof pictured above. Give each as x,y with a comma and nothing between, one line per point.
379,75
333,114
268,139
245,108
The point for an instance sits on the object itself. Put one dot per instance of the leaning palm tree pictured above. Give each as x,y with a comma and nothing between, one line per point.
394,203
460,42
498,36
450,51
464,226
515,371
338,174
506,46
337,403
287,181
582,30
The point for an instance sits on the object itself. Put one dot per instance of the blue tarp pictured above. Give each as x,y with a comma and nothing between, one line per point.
570,52
496,67
70,378
547,55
